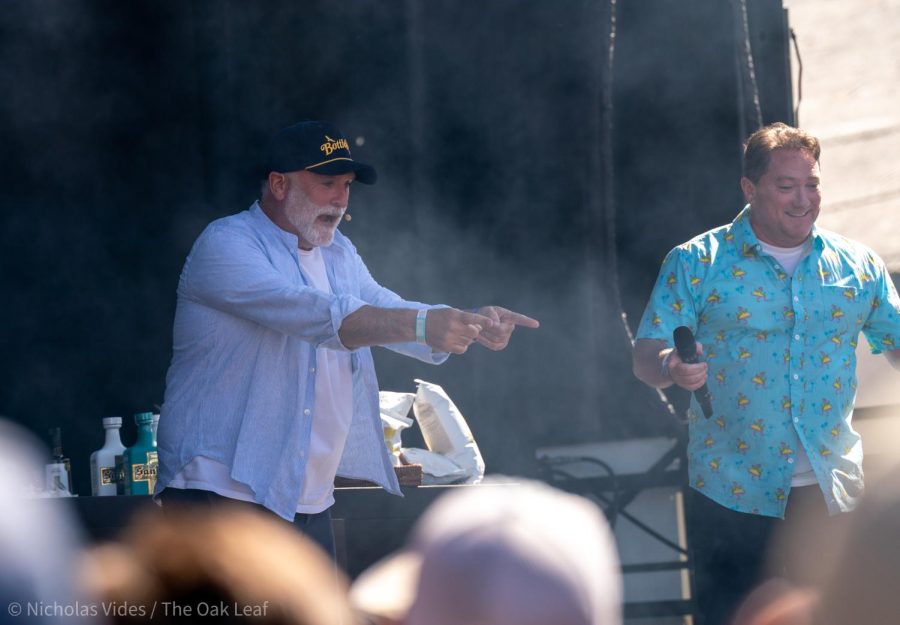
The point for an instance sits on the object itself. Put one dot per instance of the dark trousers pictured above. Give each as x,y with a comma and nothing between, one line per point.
733,552
317,527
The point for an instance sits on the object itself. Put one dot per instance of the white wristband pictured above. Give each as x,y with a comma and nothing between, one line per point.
420,326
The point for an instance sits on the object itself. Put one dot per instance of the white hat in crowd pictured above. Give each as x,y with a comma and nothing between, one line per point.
518,553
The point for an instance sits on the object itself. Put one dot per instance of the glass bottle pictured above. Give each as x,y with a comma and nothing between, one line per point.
58,472
140,460
103,461
120,473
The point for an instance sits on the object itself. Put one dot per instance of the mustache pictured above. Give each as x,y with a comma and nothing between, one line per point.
343,213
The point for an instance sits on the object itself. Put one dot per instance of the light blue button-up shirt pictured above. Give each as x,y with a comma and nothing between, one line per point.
241,386
782,362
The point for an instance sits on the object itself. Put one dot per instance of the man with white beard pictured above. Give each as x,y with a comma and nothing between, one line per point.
271,392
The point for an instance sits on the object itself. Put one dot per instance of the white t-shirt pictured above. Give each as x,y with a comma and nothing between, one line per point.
789,258
331,423
333,408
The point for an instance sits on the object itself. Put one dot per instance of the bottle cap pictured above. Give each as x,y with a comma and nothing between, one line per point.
143,418
112,421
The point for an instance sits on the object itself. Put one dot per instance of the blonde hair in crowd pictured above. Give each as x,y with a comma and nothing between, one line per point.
186,563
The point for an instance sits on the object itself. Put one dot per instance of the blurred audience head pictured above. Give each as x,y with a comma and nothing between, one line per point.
39,540
778,602
515,554
227,566
863,588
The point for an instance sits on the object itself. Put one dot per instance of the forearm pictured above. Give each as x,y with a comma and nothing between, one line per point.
232,273
370,326
647,362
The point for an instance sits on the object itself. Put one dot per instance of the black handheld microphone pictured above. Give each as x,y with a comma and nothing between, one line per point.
686,346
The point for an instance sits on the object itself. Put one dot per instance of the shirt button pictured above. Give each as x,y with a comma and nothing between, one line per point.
796,299
796,377
796,420
790,461
312,369
306,411
797,337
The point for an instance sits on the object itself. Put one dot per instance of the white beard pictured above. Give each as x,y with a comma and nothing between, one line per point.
304,216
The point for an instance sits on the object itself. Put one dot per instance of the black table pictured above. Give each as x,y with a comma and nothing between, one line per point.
369,523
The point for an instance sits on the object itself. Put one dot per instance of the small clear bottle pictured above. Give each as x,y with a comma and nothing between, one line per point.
103,461
140,460
58,472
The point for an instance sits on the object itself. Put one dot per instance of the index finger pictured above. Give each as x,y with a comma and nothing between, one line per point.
520,320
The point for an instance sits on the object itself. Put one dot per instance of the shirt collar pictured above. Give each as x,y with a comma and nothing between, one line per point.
268,226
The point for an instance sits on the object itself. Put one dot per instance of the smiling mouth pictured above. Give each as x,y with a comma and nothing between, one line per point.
799,215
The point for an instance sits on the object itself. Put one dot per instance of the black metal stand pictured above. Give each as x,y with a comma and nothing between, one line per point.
613,493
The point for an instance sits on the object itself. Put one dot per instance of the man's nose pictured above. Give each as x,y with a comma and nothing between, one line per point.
340,197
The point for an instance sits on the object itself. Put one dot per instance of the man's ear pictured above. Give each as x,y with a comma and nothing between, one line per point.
278,185
748,188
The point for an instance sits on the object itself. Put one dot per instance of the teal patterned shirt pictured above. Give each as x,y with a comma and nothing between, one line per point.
782,365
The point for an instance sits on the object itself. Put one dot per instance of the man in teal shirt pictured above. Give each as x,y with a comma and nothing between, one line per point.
777,306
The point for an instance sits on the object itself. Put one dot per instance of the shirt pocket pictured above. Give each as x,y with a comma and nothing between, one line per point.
839,311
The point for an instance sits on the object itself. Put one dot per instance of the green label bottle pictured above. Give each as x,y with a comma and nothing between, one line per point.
140,460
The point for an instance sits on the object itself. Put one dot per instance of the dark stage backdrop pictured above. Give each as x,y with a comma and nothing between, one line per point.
127,127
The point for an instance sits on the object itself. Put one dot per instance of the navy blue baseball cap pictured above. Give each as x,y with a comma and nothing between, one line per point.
319,147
